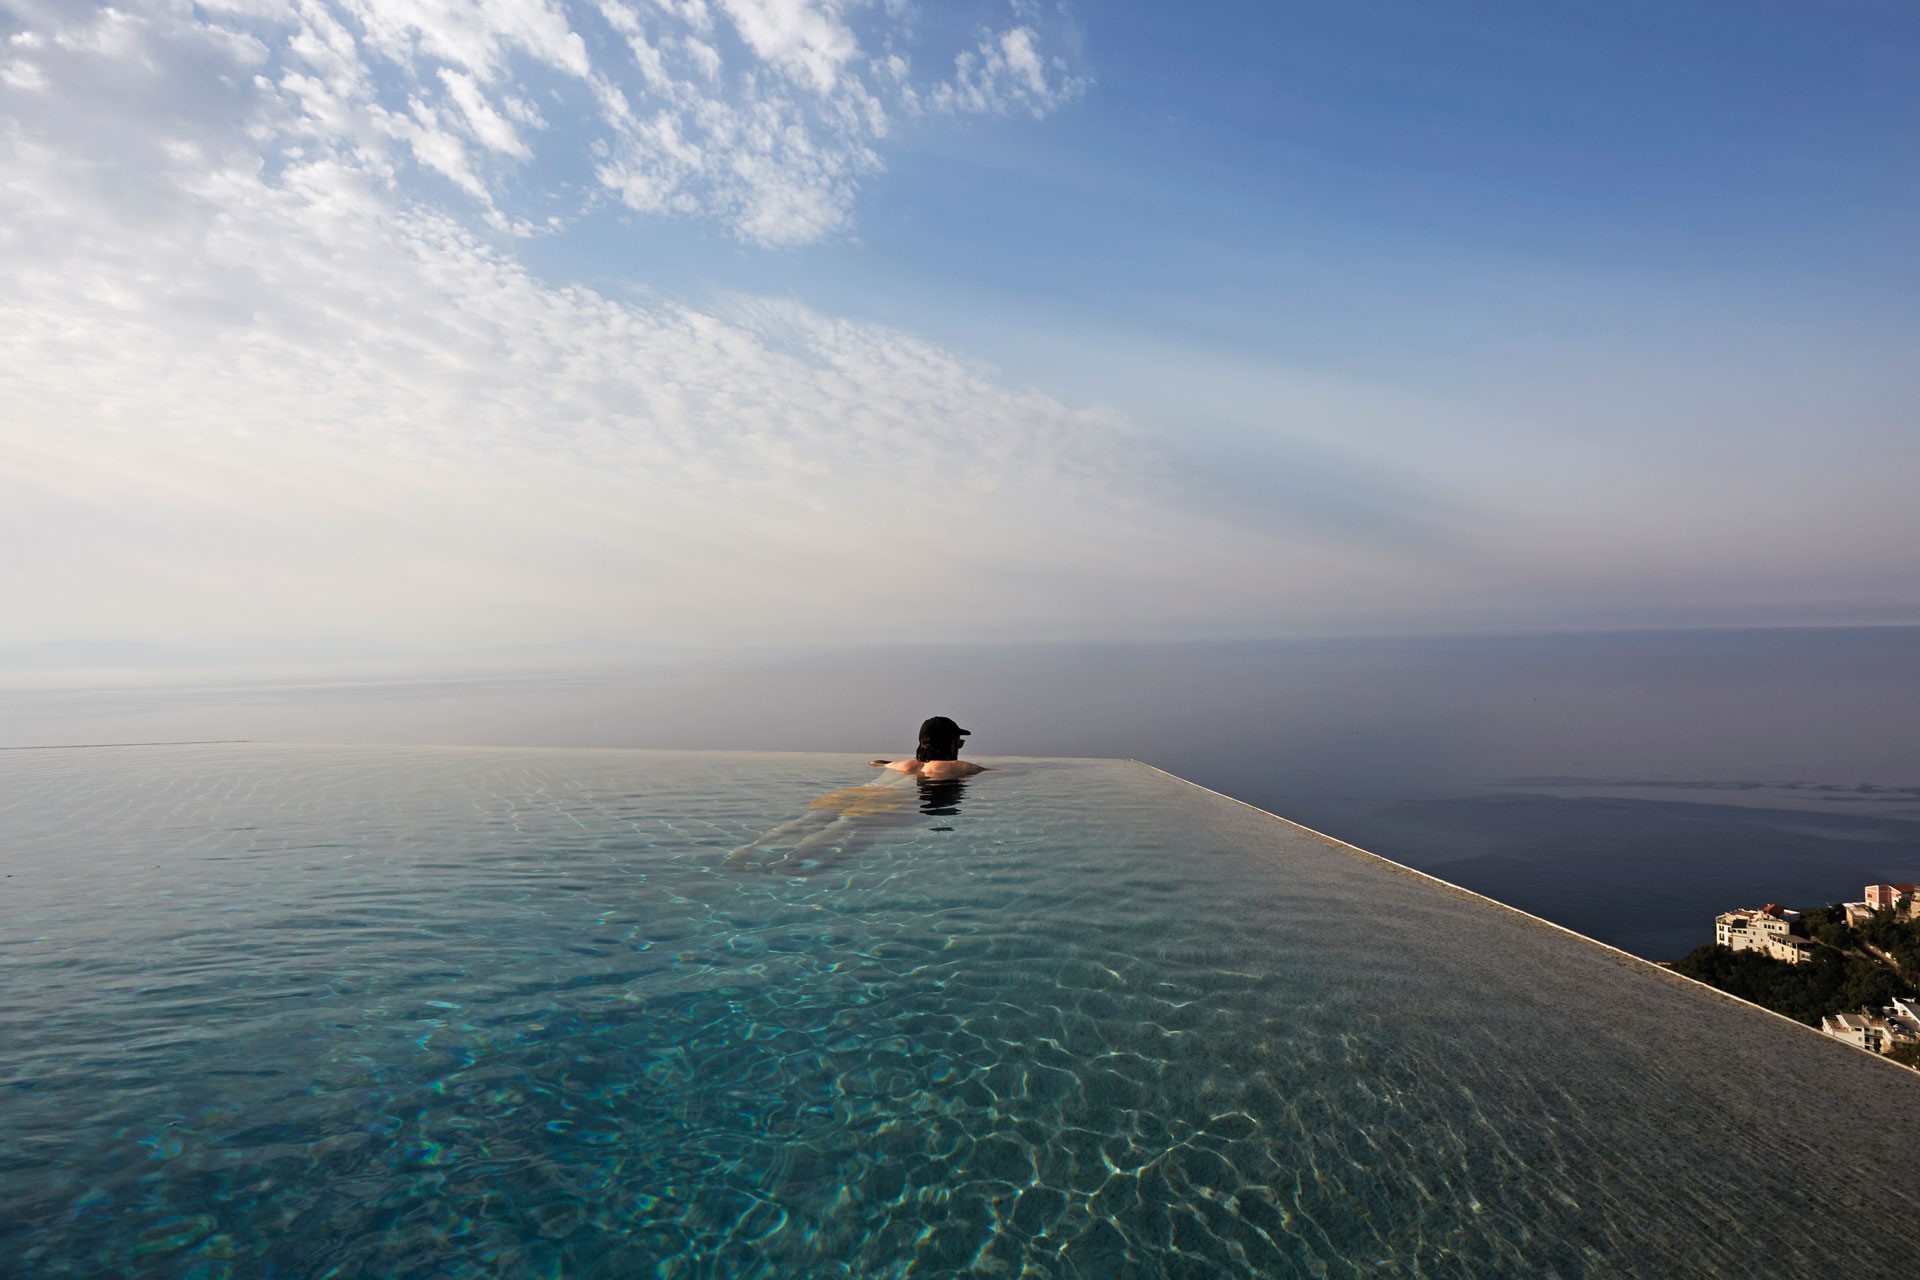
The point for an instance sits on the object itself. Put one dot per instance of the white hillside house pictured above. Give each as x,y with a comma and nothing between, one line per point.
1880,1030
1768,930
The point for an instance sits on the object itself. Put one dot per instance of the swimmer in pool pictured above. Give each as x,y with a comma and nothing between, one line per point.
839,819
938,756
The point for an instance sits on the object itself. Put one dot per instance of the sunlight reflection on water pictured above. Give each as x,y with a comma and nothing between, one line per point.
471,1012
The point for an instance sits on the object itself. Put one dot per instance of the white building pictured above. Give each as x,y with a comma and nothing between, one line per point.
1881,1031
1768,930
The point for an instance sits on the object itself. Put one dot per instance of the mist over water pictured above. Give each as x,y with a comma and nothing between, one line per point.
1627,785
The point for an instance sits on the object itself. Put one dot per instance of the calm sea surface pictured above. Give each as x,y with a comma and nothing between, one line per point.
1628,785
375,1012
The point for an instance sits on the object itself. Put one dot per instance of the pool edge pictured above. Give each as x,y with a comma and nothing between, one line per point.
1631,961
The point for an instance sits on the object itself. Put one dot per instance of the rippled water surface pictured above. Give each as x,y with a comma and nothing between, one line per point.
305,1011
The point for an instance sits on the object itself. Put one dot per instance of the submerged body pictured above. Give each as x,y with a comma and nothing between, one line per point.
835,820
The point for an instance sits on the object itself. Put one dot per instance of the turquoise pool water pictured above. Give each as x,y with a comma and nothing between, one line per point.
309,1011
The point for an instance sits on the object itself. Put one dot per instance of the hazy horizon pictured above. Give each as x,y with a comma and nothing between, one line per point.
1627,785
1824,705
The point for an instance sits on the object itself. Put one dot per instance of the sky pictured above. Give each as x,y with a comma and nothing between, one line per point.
434,334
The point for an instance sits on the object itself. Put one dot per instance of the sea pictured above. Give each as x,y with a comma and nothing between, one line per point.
1627,785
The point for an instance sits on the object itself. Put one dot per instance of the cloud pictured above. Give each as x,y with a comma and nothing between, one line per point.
765,115
24,76
1006,72
255,392
268,396
808,41
488,125
775,135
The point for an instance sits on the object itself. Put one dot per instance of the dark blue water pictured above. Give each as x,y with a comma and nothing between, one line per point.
361,1012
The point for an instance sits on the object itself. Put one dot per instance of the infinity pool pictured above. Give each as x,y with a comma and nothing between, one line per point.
275,1011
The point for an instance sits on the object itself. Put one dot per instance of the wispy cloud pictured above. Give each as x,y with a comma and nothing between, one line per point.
266,392
256,391
763,114
773,131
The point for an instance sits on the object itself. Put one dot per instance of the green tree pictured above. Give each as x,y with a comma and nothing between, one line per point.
1828,925
1897,937
1827,982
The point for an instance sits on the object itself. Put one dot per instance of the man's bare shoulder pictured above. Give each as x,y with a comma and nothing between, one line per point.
949,769
935,769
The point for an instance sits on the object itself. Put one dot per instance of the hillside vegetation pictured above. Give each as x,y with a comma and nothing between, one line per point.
1839,977
1828,982
1888,932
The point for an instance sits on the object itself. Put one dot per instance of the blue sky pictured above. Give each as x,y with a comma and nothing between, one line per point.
1321,180
388,332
